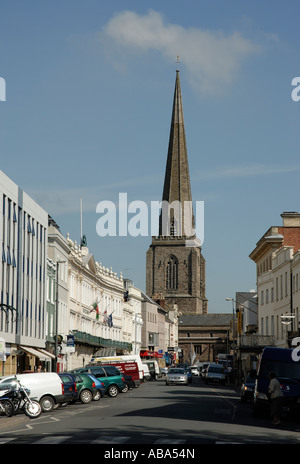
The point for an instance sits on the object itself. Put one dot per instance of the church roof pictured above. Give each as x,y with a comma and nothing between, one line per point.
213,319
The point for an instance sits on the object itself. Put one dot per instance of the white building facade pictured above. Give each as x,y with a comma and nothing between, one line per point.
23,238
96,309
277,259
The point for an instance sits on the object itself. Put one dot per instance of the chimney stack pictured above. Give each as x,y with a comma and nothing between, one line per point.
291,219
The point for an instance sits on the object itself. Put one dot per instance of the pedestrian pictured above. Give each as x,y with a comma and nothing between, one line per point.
275,397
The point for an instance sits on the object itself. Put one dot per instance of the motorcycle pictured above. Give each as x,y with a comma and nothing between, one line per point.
22,402
6,406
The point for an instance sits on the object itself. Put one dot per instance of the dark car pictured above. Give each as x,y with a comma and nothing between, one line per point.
189,374
70,387
247,388
129,382
86,386
100,387
110,376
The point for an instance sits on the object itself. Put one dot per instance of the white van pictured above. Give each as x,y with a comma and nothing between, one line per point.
125,357
45,387
147,375
153,368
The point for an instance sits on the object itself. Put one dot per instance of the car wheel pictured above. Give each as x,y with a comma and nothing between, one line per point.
125,389
97,396
112,391
47,403
86,396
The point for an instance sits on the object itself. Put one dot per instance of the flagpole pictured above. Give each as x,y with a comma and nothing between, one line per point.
80,218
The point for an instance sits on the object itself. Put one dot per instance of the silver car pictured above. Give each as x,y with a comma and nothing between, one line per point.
215,373
176,375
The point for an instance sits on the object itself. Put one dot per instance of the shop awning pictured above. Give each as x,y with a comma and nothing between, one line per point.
42,355
48,356
153,354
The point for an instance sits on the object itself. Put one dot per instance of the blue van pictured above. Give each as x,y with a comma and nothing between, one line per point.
287,370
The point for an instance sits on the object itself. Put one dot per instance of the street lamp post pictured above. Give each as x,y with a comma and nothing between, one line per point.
233,337
56,314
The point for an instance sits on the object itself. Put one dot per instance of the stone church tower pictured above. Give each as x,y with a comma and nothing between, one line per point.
175,269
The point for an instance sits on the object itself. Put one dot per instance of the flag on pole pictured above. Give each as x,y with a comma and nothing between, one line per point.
96,308
105,317
110,321
192,354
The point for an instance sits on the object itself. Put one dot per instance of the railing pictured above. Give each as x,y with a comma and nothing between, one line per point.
255,340
83,337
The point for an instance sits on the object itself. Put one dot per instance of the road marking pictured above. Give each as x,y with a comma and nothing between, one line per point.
5,440
52,440
108,439
168,441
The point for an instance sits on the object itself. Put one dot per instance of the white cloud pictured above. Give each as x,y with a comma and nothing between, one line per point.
211,58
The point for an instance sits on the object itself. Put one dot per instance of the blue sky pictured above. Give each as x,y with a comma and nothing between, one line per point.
89,89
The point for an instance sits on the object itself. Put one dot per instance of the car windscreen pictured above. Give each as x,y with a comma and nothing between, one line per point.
289,370
216,370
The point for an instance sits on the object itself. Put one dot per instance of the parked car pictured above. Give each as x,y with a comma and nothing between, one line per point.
86,387
70,387
125,358
153,368
164,370
128,367
189,374
45,387
215,373
176,376
129,383
147,375
109,375
247,388
100,387
195,370
204,370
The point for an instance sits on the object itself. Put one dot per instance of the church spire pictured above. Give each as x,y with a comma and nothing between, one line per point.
177,186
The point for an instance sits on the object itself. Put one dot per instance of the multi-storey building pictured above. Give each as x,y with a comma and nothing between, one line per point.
278,268
96,297
23,238
132,320
159,331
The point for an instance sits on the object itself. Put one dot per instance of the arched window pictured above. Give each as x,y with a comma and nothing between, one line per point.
172,273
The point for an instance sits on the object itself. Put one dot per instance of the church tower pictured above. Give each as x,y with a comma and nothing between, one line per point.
175,267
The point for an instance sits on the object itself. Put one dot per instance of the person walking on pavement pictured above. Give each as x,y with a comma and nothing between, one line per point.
276,398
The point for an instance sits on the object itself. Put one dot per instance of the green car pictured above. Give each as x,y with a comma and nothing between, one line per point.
110,376
86,387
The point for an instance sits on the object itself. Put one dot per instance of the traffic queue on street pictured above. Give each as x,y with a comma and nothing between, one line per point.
47,391
101,377
36,392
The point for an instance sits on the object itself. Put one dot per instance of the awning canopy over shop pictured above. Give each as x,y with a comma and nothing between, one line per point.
48,356
42,355
153,354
